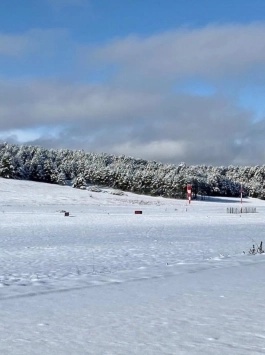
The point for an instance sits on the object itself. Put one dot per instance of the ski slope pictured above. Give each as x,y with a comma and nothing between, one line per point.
172,280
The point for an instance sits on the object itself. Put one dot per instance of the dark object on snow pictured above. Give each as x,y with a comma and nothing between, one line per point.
252,250
66,214
259,249
138,212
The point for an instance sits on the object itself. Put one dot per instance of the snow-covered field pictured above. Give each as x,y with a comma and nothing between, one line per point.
173,280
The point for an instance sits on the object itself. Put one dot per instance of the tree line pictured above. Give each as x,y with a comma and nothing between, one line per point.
79,169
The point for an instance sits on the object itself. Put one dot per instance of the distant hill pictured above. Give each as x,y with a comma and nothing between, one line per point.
79,169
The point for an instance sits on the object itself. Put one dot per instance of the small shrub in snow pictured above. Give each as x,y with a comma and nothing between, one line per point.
258,250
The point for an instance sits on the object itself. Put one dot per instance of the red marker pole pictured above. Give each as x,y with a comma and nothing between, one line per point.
189,192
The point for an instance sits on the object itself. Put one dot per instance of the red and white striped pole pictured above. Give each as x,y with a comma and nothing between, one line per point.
189,187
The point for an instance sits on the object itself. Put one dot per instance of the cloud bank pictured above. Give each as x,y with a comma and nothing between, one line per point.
135,104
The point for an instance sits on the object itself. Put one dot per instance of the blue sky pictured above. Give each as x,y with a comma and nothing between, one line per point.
168,80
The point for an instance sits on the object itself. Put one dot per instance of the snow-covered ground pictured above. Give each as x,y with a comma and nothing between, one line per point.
172,280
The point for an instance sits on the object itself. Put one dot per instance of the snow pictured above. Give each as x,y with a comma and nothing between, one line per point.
173,280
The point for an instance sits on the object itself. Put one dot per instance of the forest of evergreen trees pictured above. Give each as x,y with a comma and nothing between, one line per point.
80,169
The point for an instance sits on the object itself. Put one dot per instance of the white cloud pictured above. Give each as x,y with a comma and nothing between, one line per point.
212,51
35,41
44,103
156,126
